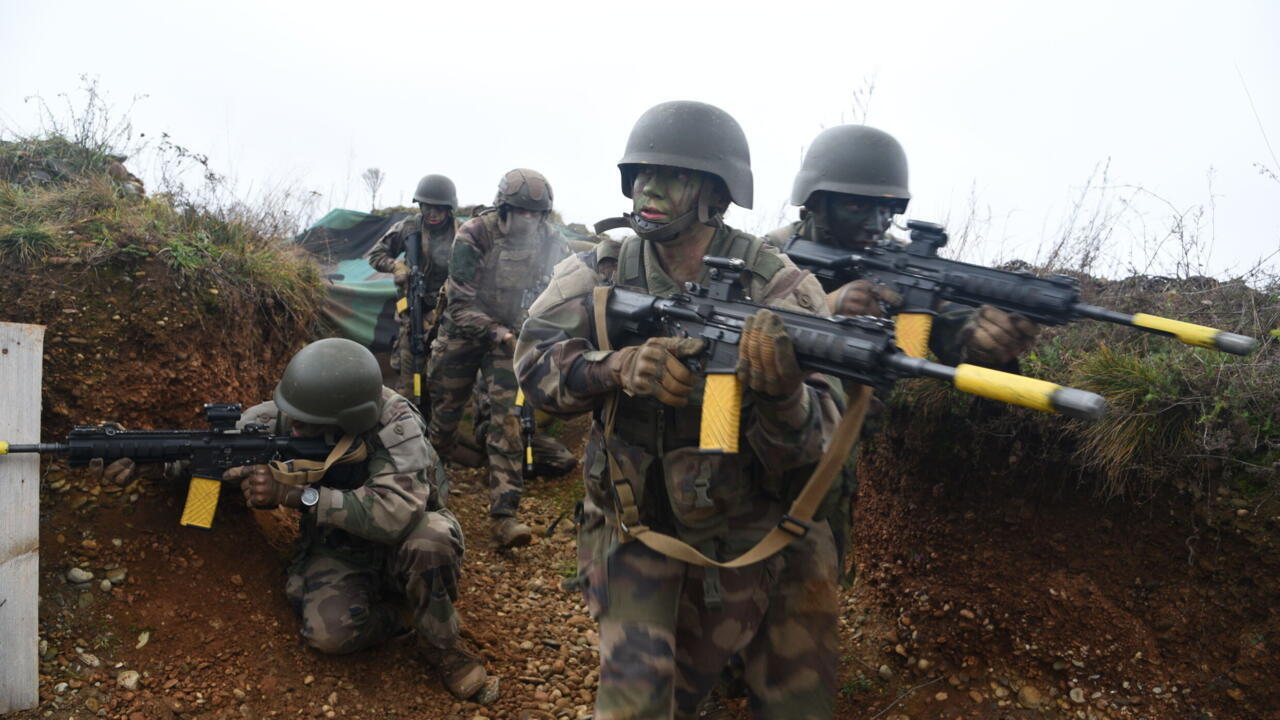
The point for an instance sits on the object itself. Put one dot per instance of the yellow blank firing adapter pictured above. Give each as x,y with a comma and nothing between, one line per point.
721,410
402,305
1029,392
1197,335
4,448
202,502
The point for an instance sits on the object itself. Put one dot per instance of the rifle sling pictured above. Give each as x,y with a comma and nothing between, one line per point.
794,524
306,472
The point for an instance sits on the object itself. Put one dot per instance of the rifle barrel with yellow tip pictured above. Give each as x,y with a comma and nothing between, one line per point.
1008,388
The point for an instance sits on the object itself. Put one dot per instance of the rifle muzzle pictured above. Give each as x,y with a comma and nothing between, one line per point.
1197,335
1029,392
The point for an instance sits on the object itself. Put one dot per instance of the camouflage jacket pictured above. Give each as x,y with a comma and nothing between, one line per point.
944,340
720,503
492,281
438,247
380,500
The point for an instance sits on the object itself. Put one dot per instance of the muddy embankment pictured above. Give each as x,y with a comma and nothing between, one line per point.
997,569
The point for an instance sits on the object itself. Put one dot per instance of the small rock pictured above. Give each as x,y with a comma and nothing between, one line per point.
308,679
89,659
117,576
105,586
1241,512
923,664
1077,696
79,575
117,542
940,696
975,696
886,672
128,679
967,614
61,688
143,638
1030,697
1234,693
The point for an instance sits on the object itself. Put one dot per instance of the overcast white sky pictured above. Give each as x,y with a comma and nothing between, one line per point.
1017,101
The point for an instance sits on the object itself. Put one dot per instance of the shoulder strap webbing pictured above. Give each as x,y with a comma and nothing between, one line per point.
793,525
305,472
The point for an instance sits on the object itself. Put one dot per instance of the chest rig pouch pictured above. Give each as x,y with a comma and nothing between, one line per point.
702,489
514,274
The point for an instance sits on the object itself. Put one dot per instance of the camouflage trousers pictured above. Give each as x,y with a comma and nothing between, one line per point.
451,375
662,648
550,457
348,605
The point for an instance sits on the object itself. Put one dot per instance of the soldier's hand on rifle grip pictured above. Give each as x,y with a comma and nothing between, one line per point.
994,337
261,489
766,358
654,369
401,273
862,297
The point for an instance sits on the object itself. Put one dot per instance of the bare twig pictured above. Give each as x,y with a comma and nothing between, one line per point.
903,696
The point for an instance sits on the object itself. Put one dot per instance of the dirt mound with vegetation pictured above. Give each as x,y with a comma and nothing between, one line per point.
1013,564
152,307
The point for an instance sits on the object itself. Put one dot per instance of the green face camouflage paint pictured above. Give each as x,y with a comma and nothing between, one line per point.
660,193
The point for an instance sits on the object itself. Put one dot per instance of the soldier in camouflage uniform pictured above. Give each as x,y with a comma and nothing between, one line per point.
851,183
501,261
666,626
437,199
379,552
376,536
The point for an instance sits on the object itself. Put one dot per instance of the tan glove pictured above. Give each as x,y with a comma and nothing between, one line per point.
766,358
994,337
261,489
862,297
400,273
654,369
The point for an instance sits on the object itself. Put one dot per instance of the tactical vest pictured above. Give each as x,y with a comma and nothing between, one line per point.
678,488
512,276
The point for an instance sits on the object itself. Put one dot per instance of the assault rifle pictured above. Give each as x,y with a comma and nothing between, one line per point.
862,350
417,314
528,426
211,452
923,279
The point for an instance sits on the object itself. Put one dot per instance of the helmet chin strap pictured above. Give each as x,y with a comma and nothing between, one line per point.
668,231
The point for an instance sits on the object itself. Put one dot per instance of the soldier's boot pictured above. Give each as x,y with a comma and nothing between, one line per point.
462,672
464,454
509,532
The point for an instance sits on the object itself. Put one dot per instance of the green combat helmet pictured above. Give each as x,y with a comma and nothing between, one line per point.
436,190
524,188
854,160
693,136
334,381
852,182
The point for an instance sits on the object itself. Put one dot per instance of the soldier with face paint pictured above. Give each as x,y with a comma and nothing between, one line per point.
501,260
668,626
851,184
437,199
